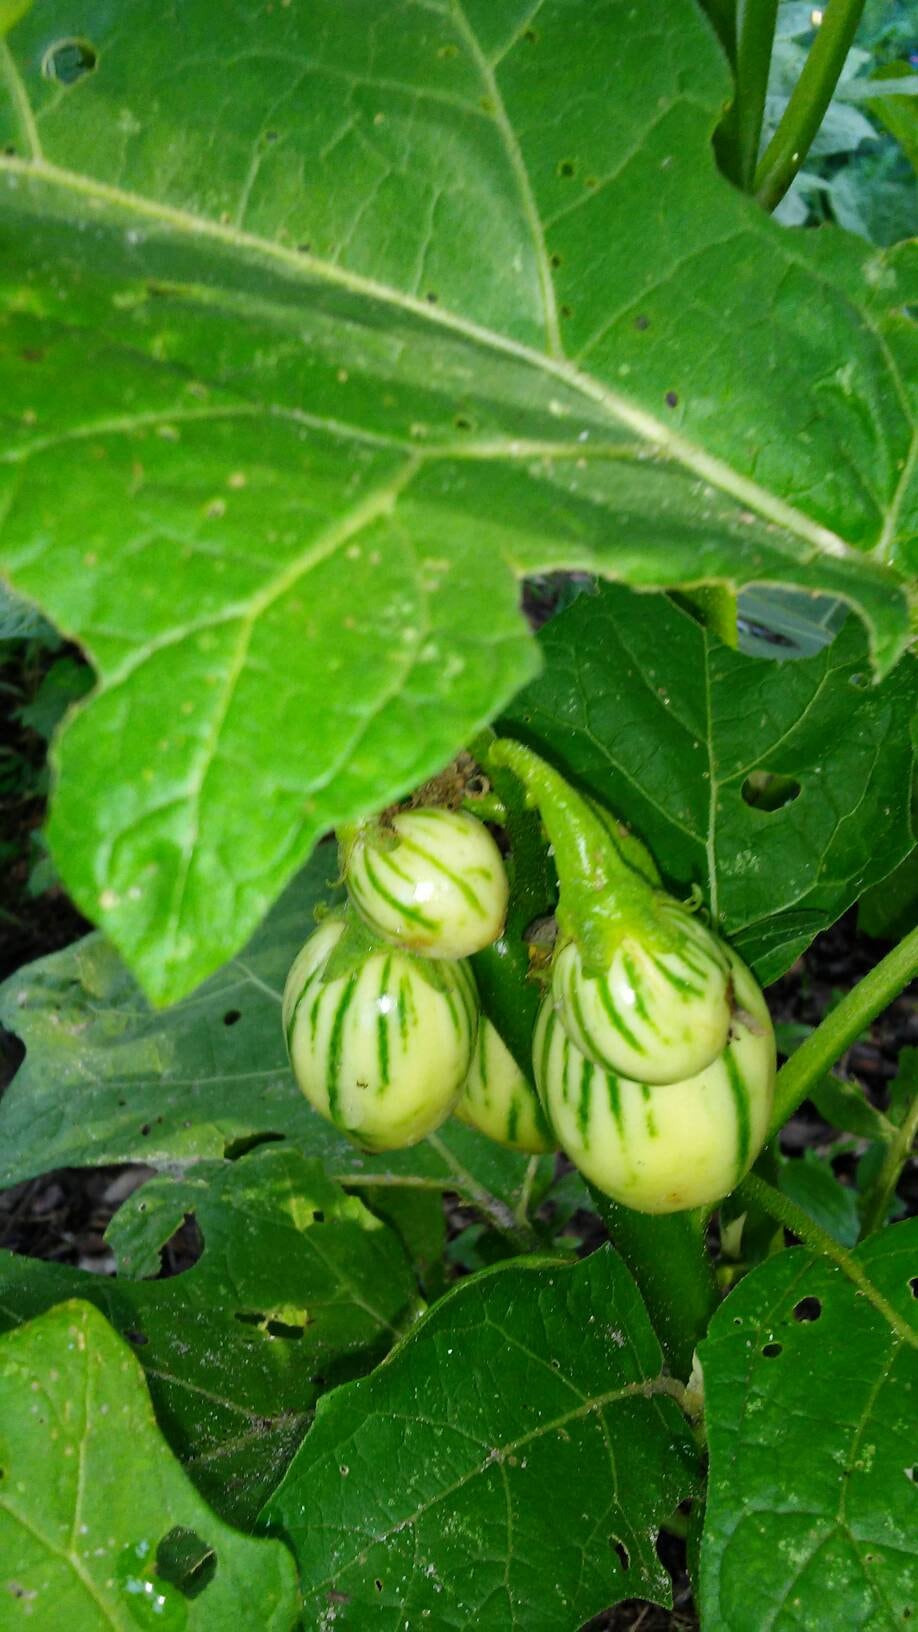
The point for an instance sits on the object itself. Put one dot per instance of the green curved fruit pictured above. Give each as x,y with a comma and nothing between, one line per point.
432,881
656,1014
382,1050
664,1148
498,1100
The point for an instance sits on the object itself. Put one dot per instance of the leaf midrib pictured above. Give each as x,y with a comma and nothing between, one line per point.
652,431
591,1405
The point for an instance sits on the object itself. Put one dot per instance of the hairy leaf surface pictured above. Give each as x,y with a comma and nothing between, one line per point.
78,1432
809,1390
764,783
509,1465
298,1286
317,320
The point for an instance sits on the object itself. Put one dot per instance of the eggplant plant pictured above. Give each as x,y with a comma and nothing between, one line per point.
443,947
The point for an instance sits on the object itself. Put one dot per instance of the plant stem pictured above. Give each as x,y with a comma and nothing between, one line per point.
881,1191
519,1232
809,99
736,142
666,1254
800,1224
715,606
842,1027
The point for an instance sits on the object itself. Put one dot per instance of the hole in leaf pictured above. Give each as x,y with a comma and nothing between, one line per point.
567,168
807,1309
182,1250
231,1016
241,1147
378,1584
672,399
185,1561
271,1324
768,791
913,1286
318,1216
618,1547
772,1350
68,60
136,1337
282,1328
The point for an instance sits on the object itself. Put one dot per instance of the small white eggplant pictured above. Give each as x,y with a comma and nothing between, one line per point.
383,1048
498,1100
431,881
664,1148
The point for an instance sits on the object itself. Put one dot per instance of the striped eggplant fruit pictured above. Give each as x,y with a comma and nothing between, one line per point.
381,1051
499,1101
664,1148
431,881
655,1014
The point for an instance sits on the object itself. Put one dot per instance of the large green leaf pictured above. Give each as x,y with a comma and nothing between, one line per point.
298,1286
320,319
94,1511
107,1079
509,1466
809,1396
667,726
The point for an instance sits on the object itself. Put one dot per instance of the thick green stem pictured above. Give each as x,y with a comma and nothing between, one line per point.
881,1191
667,1256
842,1027
715,607
582,846
737,140
509,997
600,895
809,100
807,1230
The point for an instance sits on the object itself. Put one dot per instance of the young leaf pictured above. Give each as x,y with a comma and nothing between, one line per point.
264,450
298,1287
533,1501
766,783
808,1391
810,1182
105,1079
93,1507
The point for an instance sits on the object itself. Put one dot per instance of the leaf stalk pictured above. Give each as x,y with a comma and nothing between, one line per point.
842,1027
808,102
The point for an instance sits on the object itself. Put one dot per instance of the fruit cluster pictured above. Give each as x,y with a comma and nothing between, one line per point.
653,1054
